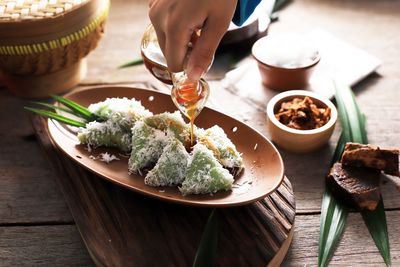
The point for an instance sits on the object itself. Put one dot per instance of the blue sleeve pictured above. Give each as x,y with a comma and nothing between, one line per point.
244,9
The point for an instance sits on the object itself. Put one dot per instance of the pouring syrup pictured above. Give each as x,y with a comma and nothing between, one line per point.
189,97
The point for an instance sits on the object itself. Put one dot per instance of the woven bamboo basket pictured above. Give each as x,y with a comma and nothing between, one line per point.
43,43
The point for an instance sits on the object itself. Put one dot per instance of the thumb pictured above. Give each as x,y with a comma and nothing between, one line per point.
204,49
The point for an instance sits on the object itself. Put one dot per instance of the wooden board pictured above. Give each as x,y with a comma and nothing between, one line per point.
122,228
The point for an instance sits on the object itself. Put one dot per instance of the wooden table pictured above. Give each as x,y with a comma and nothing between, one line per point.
36,227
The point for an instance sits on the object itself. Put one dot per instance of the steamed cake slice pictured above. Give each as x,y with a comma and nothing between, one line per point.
147,146
171,167
205,174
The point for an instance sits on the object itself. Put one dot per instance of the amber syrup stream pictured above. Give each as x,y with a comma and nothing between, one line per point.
190,97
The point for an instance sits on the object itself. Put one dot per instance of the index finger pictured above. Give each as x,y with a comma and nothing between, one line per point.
206,45
176,46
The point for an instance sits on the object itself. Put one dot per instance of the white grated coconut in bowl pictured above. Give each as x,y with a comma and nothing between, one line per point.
286,51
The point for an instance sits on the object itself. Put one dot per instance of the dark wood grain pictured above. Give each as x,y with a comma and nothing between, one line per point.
51,245
356,248
121,228
28,194
61,245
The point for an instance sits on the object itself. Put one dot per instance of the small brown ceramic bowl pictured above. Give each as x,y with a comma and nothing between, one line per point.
294,140
282,78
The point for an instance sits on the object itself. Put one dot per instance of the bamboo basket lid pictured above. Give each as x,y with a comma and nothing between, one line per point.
37,21
18,10
43,43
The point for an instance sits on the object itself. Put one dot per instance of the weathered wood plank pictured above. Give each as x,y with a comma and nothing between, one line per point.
355,249
58,245
121,43
28,192
61,245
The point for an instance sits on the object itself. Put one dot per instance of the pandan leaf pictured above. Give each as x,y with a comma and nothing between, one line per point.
376,223
337,155
207,251
333,219
56,117
80,110
351,119
333,213
132,63
53,107
375,220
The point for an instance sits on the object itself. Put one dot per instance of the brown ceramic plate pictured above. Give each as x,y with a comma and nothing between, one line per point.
263,171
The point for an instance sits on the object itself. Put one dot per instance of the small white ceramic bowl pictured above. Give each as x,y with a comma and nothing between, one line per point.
294,140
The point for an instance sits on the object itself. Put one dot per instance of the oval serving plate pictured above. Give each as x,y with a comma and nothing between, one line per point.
263,171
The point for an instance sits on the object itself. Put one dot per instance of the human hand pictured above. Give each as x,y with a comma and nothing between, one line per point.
176,21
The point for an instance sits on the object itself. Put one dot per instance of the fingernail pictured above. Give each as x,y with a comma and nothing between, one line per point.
195,73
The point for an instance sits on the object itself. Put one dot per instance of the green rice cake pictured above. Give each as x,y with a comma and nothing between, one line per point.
171,166
123,111
108,134
172,123
218,142
147,146
205,174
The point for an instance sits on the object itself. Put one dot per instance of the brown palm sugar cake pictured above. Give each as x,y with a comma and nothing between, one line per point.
303,114
386,160
355,186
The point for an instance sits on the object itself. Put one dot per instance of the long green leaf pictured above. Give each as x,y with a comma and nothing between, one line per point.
351,119
56,117
333,213
207,251
376,223
53,107
80,110
375,220
343,139
333,220
132,63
